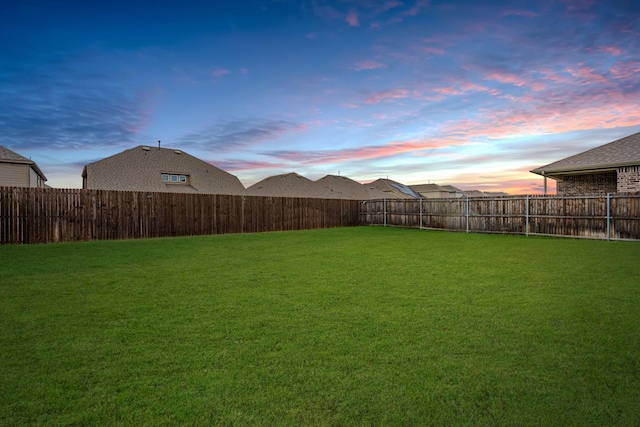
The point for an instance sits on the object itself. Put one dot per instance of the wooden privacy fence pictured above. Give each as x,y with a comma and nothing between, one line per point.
37,215
600,217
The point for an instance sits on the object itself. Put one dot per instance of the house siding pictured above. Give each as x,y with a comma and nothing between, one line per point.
34,179
582,184
629,179
14,175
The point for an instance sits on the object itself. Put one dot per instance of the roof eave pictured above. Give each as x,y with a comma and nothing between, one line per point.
39,172
582,169
27,162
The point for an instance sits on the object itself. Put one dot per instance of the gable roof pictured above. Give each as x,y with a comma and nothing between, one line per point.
8,156
286,185
622,152
141,169
393,189
328,187
342,187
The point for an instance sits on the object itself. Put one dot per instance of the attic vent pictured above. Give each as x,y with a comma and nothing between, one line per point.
146,148
177,151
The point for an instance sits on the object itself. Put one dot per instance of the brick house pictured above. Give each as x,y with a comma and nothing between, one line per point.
145,168
609,168
18,171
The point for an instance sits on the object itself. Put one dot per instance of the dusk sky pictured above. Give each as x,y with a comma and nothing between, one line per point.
468,93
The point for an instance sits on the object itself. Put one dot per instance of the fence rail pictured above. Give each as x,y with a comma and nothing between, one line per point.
43,215
36,215
610,216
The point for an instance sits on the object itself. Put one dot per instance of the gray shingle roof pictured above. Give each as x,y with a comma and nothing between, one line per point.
622,152
328,187
393,189
342,187
9,156
286,185
141,169
12,156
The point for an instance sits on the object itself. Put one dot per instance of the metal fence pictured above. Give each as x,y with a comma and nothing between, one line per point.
611,216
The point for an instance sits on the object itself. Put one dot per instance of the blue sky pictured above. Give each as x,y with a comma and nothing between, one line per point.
472,94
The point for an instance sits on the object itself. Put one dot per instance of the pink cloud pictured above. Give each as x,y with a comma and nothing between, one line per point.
611,50
513,183
544,116
520,12
388,95
588,75
552,76
417,6
219,72
538,86
628,70
368,65
352,19
464,87
434,50
368,152
325,11
508,78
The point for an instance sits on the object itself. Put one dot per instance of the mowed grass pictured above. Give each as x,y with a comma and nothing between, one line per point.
350,326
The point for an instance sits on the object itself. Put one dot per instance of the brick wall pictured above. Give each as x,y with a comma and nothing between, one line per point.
629,179
596,183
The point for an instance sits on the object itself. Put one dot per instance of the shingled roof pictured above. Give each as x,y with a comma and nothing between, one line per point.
342,187
328,187
286,185
8,156
141,169
622,152
393,189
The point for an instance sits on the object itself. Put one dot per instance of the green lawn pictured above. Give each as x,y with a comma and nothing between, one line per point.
350,326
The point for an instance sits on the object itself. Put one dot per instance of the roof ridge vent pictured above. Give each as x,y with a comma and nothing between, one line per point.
145,148
177,151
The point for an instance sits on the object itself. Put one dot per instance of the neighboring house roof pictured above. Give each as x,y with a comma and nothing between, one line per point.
426,188
622,152
341,187
286,185
8,156
475,193
393,189
452,189
328,187
141,169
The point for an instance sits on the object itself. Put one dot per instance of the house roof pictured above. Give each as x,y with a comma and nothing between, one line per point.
622,152
286,185
328,187
341,187
141,169
427,188
8,156
393,189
